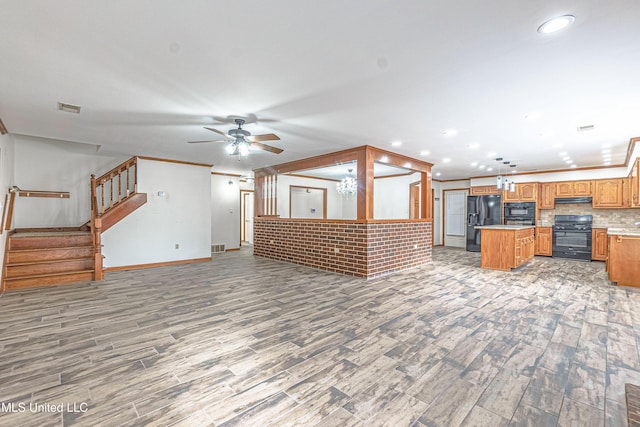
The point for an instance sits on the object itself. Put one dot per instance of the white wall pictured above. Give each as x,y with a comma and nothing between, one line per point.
6,180
338,206
225,210
307,203
53,165
391,196
182,217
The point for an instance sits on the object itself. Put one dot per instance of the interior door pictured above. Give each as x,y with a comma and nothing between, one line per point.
246,220
455,205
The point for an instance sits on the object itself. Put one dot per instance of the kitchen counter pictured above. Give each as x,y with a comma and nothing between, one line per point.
624,231
504,227
503,247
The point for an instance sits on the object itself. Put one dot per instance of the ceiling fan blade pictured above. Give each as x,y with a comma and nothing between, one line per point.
218,132
264,137
266,147
210,140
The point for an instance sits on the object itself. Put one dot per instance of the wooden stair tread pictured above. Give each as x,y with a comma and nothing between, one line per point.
25,234
51,248
60,273
50,261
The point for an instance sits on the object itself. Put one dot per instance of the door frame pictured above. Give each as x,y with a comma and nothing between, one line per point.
243,214
443,205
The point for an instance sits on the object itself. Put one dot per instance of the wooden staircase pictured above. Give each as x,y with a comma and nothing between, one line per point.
43,257
37,258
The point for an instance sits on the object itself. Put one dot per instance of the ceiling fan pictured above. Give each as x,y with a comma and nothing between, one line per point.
240,140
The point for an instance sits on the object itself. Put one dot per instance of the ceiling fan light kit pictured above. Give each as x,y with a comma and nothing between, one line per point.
240,140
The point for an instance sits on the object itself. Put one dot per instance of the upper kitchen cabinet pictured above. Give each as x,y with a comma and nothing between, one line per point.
574,189
634,184
525,192
546,200
481,190
609,193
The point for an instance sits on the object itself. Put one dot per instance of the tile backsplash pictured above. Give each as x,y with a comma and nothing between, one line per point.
602,218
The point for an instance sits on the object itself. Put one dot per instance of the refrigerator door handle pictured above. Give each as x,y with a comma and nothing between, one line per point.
470,220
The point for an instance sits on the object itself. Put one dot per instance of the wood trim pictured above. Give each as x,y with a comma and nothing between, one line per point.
311,177
180,162
341,221
12,199
3,128
226,174
630,149
232,250
394,175
443,204
44,193
156,264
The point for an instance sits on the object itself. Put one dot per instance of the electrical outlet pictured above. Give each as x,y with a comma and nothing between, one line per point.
177,246
336,250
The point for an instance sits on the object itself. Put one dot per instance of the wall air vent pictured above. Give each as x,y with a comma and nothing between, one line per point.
586,128
68,108
217,248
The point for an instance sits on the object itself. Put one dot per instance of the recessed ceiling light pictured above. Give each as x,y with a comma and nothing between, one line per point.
474,164
606,145
407,165
450,132
482,167
489,169
425,152
566,158
573,166
569,161
585,128
562,153
396,143
438,174
474,145
446,160
606,150
556,145
68,108
607,163
556,24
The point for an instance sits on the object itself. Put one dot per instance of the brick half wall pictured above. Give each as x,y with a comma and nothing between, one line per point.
363,249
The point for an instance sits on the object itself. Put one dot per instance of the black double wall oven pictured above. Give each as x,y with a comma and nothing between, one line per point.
520,213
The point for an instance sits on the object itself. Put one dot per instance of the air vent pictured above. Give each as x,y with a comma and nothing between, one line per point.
217,248
586,128
68,108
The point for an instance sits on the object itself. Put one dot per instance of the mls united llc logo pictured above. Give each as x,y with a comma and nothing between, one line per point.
20,407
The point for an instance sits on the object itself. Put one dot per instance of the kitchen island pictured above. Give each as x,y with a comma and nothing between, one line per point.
503,247
623,260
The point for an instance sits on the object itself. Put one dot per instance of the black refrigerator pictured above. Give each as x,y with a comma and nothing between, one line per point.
481,210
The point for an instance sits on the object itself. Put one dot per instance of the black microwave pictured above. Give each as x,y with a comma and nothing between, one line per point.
520,210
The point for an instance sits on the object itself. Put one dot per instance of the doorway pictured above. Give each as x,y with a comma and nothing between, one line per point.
414,200
246,217
454,215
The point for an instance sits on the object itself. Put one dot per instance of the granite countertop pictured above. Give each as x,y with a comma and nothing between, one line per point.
504,227
544,224
624,231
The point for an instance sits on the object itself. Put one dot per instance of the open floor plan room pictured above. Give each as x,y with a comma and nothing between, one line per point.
244,340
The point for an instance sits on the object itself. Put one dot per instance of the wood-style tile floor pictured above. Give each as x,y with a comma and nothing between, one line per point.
246,341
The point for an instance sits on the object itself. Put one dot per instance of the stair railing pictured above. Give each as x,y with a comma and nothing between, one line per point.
108,191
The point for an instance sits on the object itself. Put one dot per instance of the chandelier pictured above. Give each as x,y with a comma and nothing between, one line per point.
348,185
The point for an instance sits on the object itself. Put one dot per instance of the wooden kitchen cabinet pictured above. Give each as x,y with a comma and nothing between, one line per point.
506,247
544,241
622,264
481,190
546,200
634,184
599,244
525,192
574,189
608,193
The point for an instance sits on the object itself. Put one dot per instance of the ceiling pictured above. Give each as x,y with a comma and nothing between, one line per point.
326,76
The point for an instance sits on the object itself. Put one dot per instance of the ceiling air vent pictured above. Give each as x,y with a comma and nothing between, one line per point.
68,108
586,128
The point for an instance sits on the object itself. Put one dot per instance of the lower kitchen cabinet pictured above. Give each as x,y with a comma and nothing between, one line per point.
622,264
506,247
599,244
544,241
